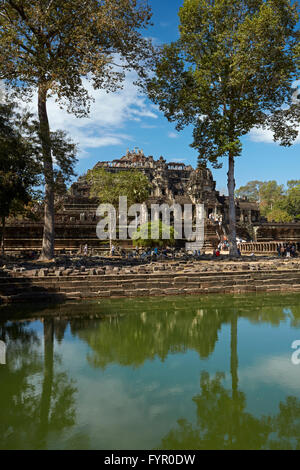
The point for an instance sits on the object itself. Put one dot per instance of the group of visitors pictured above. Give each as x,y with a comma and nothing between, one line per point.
287,250
223,246
140,253
216,218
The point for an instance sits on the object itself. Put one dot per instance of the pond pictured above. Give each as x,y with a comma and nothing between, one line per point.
213,372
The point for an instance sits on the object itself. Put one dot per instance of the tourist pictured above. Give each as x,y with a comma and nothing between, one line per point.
85,250
282,251
225,245
112,251
279,250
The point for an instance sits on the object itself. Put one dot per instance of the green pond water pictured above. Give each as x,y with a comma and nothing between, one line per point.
212,372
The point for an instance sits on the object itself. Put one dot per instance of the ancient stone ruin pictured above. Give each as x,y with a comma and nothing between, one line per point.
171,183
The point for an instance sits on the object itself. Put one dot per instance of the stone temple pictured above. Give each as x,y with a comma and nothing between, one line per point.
171,183
75,213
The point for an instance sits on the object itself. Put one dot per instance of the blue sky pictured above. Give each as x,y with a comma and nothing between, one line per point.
128,119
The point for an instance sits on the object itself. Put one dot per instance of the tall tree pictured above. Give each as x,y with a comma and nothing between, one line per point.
231,69
109,187
31,410
21,158
19,170
277,203
270,194
250,191
49,46
291,202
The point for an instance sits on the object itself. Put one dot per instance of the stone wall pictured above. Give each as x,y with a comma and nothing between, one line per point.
279,232
150,280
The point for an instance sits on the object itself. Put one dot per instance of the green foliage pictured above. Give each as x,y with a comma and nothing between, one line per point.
232,66
276,203
270,195
20,170
21,162
279,215
293,183
143,236
21,157
108,187
53,45
231,69
291,202
250,191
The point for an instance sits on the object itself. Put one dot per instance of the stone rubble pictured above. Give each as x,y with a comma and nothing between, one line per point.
154,279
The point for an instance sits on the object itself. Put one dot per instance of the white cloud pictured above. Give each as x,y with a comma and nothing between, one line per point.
108,116
2,91
274,370
261,135
172,135
266,136
258,134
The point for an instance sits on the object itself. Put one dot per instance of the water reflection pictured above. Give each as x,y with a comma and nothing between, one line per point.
224,423
35,398
39,400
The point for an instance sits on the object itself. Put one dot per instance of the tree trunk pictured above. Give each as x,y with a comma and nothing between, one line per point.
112,228
47,380
3,237
232,217
48,235
235,436
234,357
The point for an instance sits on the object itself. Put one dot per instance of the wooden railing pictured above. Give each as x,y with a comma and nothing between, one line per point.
260,247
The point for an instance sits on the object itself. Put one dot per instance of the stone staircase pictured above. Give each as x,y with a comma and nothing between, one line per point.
18,289
212,238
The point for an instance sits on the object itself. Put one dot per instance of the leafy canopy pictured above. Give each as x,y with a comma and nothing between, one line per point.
19,169
21,160
108,187
231,69
250,191
277,203
57,44
143,236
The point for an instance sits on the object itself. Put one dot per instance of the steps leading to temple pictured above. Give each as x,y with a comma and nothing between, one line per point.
59,288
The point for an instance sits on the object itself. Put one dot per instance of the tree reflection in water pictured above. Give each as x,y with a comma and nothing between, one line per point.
223,422
222,419
132,332
37,399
